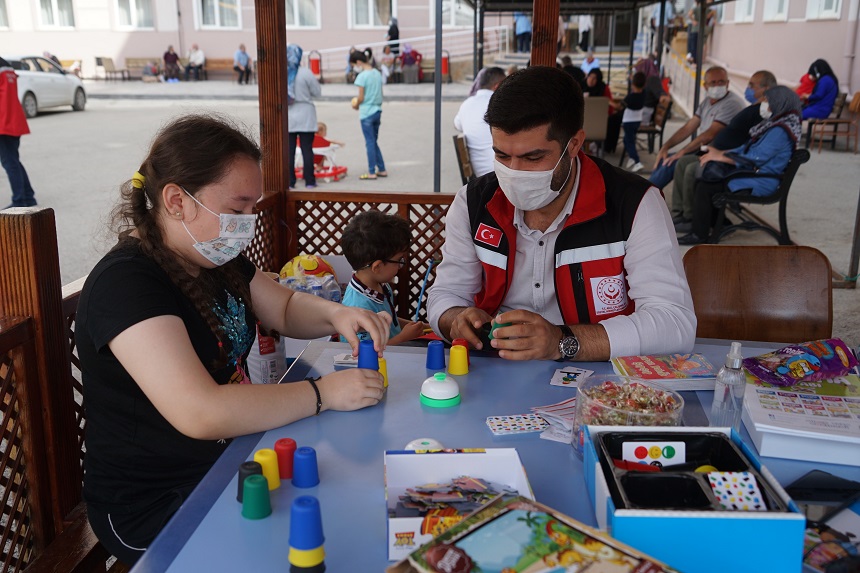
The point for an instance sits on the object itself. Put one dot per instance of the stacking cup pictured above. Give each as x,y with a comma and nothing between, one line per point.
247,469
305,469
269,460
285,448
458,361
435,355
255,499
367,355
306,533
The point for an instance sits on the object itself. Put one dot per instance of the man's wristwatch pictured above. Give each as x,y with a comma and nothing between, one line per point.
568,346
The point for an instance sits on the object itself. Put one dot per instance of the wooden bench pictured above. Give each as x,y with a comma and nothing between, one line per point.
111,71
217,68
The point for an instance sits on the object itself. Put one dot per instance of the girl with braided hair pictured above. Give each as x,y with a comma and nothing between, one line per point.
165,322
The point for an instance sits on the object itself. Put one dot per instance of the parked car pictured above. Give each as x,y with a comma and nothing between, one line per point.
43,84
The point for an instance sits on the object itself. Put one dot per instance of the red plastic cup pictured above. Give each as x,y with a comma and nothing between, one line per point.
285,448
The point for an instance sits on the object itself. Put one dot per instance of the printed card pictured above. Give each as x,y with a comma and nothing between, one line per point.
570,376
737,491
345,359
654,453
516,424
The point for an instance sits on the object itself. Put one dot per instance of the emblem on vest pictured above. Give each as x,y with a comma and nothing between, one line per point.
488,235
609,294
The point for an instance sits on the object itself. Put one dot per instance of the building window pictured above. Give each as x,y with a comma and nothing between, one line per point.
57,13
4,20
823,9
745,11
135,13
303,13
457,13
371,12
219,13
775,10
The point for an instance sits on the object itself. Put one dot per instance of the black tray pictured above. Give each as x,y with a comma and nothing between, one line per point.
676,488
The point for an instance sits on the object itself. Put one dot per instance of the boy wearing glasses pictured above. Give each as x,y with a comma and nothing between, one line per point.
376,245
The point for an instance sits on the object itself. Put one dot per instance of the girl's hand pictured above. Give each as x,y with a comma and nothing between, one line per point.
348,320
351,389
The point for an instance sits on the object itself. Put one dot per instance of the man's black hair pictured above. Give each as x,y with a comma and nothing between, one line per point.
638,80
534,96
374,236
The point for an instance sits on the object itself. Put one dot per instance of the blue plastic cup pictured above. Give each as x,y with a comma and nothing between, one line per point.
367,355
306,530
436,355
305,470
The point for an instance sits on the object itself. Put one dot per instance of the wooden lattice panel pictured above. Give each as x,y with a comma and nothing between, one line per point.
16,543
262,250
428,234
76,380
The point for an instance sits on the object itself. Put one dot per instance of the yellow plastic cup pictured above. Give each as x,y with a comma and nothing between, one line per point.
268,459
458,363
383,369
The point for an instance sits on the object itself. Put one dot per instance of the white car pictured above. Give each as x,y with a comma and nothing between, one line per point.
42,84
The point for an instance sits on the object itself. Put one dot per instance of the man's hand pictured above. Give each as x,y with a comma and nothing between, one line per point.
672,159
661,157
466,325
530,337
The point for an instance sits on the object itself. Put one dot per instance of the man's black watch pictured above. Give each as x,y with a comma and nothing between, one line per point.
568,346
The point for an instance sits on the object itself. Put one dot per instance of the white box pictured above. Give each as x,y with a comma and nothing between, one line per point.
406,469
700,540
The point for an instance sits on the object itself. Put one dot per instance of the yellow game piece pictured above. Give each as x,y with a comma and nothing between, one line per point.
268,459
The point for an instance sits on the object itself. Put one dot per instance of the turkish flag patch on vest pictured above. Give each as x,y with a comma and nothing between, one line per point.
489,235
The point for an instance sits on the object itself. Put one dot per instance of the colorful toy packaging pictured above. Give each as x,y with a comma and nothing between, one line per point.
817,360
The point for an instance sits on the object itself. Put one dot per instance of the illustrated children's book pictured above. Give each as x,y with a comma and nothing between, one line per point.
678,372
517,535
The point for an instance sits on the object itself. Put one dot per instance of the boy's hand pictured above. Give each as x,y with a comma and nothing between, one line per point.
412,330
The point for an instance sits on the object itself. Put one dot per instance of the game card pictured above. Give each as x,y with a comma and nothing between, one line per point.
737,490
345,359
654,453
570,376
516,424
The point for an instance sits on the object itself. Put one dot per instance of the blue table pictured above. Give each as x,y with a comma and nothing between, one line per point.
209,534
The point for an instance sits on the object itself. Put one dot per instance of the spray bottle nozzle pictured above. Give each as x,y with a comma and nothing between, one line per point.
734,358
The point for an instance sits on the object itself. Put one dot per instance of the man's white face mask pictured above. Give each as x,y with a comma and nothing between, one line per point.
717,92
530,190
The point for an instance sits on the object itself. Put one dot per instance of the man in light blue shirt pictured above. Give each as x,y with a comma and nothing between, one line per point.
369,106
242,64
523,32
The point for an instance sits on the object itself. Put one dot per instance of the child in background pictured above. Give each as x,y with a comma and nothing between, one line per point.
321,139
376,245
632,119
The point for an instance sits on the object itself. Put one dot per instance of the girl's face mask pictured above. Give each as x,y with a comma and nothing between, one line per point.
236,233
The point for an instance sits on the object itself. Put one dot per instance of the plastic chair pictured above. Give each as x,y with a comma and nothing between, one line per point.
733,201
760,292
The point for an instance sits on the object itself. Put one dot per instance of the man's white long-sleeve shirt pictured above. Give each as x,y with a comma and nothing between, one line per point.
479,140
663,320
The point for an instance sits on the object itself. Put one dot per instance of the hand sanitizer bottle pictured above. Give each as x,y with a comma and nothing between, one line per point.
729,391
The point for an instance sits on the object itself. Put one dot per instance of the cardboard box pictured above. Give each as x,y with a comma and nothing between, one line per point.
407,469
699,539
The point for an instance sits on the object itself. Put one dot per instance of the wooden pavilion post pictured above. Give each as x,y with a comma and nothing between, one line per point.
544,32
271,21
30,285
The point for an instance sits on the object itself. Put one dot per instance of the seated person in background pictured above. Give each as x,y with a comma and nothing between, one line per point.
589,62
578,255
171,65
376,245
735,134
151,73
805,86
410,62
52,57
714,113
819,104
242,65
177,285
470,120
654,92
196,61
386,63
575,72
771,145
632,119
596,87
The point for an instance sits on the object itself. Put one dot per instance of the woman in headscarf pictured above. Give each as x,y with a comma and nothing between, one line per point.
819,104
302,87
769,150
596,87
410,62
393,35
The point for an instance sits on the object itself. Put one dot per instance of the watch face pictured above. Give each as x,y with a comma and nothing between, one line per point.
569,346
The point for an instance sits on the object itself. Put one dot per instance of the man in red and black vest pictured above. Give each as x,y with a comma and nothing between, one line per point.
578,256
